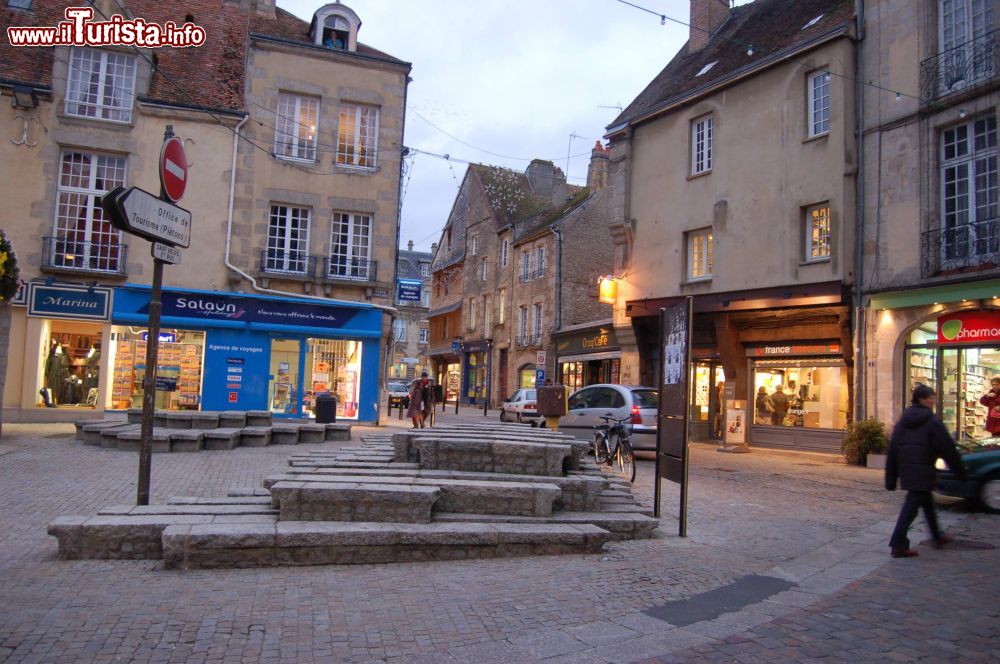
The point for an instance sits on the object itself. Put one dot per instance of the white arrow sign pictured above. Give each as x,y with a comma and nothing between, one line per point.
146,215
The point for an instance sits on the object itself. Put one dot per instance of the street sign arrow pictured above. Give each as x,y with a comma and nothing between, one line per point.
141,213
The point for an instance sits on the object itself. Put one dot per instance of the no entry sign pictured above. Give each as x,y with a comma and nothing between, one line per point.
173,169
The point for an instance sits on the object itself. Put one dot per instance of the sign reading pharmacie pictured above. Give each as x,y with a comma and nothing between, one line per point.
69,301
963,327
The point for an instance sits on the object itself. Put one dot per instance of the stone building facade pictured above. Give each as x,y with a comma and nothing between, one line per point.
293,134
411,326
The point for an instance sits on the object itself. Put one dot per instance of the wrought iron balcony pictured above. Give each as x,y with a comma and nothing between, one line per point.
350,269
68,254
528,340
295,264
955,248
965,66
525,276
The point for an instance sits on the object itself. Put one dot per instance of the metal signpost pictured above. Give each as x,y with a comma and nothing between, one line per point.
167,226
672,418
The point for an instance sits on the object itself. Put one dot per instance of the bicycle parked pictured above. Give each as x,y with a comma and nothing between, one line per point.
621,454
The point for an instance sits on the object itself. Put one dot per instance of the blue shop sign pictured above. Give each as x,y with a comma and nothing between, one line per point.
68,301
408,291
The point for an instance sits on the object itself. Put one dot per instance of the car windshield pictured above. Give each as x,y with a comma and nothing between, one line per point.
646,398
397,387
529,395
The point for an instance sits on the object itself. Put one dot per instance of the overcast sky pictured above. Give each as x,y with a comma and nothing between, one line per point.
511,77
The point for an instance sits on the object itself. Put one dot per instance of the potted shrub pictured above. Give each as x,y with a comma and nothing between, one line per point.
865,443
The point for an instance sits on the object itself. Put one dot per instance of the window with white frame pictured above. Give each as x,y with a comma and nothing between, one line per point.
425,335
525,266
522,325
487,316
502,306
83,239
699,254
969,193
818,232
536,332
485,269
504,252
818,84
472,314
100,84
295,126
539,261
287,240
350,246
399,329
474,245
968,54
357,137
701,145
425,269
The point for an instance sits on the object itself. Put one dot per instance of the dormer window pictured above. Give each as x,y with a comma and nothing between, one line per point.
336,32
335,26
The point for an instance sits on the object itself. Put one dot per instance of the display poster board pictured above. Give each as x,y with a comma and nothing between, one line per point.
736,422
672,418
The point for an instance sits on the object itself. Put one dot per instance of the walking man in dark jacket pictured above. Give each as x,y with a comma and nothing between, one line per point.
918,440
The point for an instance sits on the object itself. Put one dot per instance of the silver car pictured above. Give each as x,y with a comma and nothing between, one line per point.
588,404
520,406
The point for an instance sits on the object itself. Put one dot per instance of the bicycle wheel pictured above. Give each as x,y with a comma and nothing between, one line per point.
626,459
601,451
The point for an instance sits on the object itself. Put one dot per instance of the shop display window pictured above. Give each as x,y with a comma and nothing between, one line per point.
334,366
179,368
453,381
571,375
72,365
526,377
810,393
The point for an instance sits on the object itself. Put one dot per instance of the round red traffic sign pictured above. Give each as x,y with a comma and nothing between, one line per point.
173,169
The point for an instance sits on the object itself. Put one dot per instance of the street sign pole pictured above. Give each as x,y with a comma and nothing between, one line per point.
149,380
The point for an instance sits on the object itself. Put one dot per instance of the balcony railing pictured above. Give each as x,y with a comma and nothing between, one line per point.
970,64
352,269
525,276
538,274
65,253
528,340
287,263
975,245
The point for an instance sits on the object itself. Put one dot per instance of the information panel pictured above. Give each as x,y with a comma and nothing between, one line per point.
672,419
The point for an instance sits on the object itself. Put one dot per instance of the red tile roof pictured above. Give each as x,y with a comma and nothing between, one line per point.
211,75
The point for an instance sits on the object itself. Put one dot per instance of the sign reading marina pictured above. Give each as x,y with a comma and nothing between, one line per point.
139,212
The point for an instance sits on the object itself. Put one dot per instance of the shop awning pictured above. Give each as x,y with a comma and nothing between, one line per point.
609,355
976,290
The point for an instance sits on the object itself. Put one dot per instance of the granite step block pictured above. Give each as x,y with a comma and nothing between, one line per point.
258,418
253,436
285,434
314,501
116,537
312,433
338,432
620,526
204,420
190,440
232,419
222,438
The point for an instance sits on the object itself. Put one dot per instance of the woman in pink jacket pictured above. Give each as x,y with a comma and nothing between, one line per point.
992,401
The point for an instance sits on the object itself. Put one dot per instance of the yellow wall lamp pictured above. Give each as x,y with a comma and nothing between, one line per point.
607,289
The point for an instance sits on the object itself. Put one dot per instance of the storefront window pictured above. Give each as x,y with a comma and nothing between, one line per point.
334,366
571,375
72,365
526,377
811,393
179,366
453,380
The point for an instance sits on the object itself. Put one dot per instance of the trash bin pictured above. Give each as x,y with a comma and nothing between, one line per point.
326,408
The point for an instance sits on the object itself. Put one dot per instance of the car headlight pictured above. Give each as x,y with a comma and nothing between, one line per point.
940,464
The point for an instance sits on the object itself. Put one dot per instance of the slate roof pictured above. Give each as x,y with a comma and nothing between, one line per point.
772,27
409,264
211,75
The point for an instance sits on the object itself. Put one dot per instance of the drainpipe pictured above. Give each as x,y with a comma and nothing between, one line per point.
555,231
860,363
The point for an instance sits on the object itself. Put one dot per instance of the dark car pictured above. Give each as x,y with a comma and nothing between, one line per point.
982,467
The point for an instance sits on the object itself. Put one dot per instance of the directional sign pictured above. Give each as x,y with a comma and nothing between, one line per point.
173,169
139,212
166,253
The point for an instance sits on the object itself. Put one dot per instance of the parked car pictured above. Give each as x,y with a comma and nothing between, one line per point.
520,406
982,468
399,395
586,405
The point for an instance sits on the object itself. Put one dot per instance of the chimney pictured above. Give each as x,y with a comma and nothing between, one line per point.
597,172
706,17
409,245
434,247
541,174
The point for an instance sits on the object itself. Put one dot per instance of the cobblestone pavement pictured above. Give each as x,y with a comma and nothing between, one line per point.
809,523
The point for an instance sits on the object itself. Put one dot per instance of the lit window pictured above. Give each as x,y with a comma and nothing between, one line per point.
501,313
357,138
295,127
699,255
818,233
701,145
819,103
100,85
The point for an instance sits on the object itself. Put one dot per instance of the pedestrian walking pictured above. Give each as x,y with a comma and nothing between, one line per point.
779,406
415,411
992,401
427,394
918,440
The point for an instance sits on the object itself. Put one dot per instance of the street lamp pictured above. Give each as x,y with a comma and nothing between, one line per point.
489,373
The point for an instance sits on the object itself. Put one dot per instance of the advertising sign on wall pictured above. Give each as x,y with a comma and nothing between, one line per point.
66,301
408,291
969,327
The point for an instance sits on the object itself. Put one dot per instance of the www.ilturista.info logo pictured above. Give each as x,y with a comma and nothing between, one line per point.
79,30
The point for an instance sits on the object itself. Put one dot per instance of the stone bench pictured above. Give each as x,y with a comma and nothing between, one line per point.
190,440
320,501
474,496
131,440
109,435
405,444
90,432
204,420
205,546
492,456
255,436
285,434
336,431
620,526
222,438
